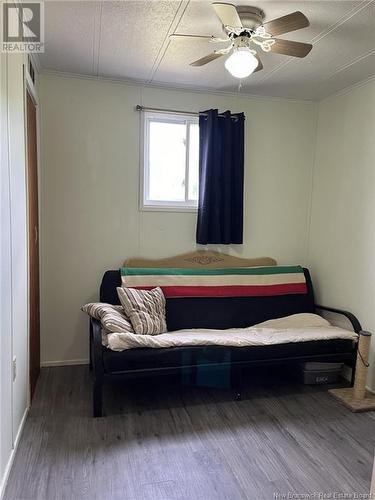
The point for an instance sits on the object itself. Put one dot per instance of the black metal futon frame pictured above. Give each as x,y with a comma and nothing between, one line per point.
233,312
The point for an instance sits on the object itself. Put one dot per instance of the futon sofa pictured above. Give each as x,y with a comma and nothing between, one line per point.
216,313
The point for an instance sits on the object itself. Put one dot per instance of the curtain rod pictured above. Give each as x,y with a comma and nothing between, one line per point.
173,111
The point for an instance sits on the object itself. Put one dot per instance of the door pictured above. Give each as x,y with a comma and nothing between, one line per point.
32,171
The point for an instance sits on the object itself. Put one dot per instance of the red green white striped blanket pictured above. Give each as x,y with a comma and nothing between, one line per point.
227,282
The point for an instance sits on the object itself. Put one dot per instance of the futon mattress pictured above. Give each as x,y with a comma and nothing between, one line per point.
302,327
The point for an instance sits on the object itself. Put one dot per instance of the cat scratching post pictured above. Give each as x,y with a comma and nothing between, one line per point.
357,398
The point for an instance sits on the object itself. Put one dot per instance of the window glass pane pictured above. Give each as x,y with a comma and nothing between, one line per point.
167,155
194,162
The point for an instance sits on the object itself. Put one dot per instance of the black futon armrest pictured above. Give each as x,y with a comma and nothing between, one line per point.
350,316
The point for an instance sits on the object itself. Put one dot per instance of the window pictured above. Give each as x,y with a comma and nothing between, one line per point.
171,159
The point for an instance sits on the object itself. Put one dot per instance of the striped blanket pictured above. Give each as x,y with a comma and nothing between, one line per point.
226,282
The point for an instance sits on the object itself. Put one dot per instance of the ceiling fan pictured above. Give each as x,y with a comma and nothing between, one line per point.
244,29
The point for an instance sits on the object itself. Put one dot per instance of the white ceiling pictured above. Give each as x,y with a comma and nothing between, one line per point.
130,40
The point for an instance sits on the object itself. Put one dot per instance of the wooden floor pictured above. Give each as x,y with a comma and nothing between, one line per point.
162,441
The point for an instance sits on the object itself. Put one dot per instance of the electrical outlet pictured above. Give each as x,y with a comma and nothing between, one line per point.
14,368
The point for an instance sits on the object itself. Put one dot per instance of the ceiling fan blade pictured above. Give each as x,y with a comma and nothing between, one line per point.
285,24
183,35
290,48
227,14
260,65
206,59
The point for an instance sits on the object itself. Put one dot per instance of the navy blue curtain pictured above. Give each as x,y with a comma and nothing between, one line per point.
221,178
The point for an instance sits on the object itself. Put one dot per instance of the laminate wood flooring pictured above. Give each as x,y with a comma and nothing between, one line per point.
162,441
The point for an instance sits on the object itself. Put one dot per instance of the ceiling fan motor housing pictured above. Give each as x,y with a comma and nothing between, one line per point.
251,17
241,42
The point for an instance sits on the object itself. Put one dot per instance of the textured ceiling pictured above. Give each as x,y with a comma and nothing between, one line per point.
130,40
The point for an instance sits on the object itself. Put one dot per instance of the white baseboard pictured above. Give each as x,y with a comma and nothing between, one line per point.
8,467
66,362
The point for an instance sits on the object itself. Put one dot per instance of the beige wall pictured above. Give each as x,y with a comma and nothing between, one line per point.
90,216
342,239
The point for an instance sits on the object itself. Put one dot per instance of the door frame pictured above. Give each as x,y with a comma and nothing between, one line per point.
29,88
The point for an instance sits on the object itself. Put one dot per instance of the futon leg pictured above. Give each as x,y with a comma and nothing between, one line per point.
98,398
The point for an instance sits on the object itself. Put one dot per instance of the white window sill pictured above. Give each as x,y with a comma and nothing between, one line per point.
168,208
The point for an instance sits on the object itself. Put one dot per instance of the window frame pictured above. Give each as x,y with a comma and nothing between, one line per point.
146,204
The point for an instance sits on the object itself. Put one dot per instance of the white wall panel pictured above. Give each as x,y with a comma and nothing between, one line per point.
14,283
18,207
342,241
5,288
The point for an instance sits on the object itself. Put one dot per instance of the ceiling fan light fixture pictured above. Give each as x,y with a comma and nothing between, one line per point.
241,63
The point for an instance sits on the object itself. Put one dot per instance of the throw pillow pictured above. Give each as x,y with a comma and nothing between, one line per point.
112,318
145,308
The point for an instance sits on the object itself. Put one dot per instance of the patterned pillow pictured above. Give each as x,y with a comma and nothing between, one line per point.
145,308
112,318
